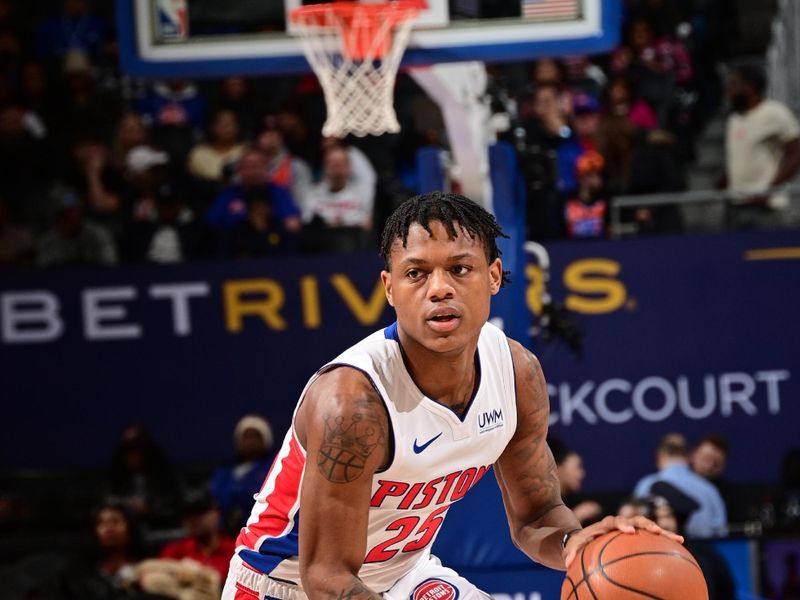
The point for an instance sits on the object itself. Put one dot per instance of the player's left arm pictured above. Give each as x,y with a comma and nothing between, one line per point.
526,473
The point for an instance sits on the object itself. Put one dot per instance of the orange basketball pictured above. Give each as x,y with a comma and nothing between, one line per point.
625,566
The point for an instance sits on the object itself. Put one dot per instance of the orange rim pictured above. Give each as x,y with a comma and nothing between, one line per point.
359,23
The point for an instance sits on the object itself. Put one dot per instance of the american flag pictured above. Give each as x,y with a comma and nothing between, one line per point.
550,9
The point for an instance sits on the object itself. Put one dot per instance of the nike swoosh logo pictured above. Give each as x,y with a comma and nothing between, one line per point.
419,448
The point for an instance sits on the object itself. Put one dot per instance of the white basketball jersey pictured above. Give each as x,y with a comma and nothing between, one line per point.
438,456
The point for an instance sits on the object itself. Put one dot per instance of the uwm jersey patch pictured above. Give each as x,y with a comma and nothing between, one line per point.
438,457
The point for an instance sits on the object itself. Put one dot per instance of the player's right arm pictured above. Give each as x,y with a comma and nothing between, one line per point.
343,425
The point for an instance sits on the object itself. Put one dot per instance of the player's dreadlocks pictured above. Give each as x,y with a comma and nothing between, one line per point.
449,209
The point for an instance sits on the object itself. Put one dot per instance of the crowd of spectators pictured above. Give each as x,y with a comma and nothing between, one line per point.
99,168
158,533
633,112
155,530
688,495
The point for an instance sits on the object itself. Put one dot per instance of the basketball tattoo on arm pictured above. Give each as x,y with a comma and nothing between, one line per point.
350,439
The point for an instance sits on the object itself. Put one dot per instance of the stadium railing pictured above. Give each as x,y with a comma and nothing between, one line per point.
701,210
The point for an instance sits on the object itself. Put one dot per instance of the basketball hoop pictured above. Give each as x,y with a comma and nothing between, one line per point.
355,50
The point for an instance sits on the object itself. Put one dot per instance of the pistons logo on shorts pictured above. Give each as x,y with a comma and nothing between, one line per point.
435,589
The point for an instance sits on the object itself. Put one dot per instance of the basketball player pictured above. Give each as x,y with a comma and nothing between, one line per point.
401,425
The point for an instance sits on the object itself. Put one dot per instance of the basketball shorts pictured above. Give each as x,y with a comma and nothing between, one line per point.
428,580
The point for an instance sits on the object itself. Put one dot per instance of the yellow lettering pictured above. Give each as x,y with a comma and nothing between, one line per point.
267,303
309,295
366,313
595,288
535,289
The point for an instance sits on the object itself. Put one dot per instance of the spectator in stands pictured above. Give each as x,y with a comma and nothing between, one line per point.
296,134
106,574
76,28
545,130
762,150
174,103
283,168
549,71
617,141
547,121
710,456
176,113
236,95
211,161
570,473
362,173
204,542
97,182
72,240
129,133
709,518
16,242
260,234
546,72
142,477
85,106
146,171
656,167
621,102
338,211
645,52
709,459
173,236
655,63
230,206
586,213
583,75
582,138
233,486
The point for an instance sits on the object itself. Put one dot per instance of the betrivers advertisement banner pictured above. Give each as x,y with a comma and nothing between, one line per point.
693,334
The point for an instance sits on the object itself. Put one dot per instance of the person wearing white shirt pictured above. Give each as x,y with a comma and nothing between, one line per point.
338,209
762,151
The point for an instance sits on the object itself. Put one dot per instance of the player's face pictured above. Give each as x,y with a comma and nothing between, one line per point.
440,288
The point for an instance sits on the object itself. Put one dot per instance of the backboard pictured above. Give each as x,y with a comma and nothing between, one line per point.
209,38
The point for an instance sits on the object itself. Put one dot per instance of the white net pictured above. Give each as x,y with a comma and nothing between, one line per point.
356,55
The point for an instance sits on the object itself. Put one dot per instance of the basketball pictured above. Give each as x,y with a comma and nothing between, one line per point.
634,565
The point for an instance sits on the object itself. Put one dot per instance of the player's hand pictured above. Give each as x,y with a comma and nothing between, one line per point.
625,524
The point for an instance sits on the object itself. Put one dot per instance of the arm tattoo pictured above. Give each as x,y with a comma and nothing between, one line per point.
349,441
357,592
539,481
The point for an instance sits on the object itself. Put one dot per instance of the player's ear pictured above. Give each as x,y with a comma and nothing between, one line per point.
386,278
495,275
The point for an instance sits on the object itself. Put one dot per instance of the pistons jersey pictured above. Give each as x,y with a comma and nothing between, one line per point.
437,457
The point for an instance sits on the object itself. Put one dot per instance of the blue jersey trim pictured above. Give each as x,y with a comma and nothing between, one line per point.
390,333
274,550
